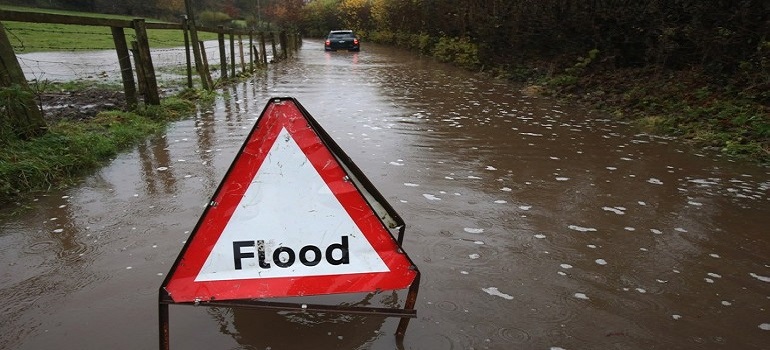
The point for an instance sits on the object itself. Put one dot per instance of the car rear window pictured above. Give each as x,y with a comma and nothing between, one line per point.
341,35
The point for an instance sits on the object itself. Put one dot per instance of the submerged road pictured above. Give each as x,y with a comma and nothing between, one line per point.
535,225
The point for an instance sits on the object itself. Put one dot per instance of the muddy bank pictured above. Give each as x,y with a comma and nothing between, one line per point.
79,104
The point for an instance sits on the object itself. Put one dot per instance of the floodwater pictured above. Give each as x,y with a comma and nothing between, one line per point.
535,225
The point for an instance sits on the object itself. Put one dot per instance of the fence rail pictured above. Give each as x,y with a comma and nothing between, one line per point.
144,72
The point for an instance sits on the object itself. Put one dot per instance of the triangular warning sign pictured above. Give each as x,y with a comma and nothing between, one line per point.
288,220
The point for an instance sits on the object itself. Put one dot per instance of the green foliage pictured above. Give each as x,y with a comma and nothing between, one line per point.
459,51
68,149
213,18
71,148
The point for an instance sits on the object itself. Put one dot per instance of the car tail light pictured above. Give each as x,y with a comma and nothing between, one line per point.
355,41
328,42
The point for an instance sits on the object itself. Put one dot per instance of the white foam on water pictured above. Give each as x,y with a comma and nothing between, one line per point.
58,230
473,230
562,178
581,296
705,182
479,242
714,255
493,291
761,278
474,256
489,167
592,246
693,203
611,168
708,280
726,303
525,207
581,229
676,317
641,203
655,181
616,210
540,236
163,168
629,228
656,231
565,266
601,261
474,177
506,189
765,326
715,275
680,229
430,197
409,184
396,163
501,201
463,272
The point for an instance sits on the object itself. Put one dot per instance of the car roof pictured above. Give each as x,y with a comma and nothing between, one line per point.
340,31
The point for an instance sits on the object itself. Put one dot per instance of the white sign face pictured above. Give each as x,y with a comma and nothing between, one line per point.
289,224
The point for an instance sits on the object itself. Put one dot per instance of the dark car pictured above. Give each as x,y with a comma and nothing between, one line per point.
342,40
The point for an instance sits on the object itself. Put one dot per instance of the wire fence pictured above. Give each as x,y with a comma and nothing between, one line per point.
99,63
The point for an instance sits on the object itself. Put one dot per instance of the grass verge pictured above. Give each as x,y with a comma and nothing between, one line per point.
72,148
28,37
685,104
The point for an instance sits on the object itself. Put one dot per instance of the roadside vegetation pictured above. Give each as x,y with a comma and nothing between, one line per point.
73,147
697,69
692,68
76,143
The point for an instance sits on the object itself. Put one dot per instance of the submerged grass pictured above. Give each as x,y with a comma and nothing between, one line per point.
72,148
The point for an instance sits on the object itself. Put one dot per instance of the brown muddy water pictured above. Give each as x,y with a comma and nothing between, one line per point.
535,225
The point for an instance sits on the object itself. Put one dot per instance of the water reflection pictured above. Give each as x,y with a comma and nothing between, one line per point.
535,225
263,329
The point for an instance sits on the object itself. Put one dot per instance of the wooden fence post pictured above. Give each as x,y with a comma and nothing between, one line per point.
140,76
186,32
25,118
232,53
151,95
263,50
284,42
275,51
205,64
241,54
124,60
222,55
203,71
251,50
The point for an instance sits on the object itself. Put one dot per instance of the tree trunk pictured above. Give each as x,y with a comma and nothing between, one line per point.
18,110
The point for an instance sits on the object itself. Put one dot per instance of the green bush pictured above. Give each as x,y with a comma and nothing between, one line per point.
459,51
211,18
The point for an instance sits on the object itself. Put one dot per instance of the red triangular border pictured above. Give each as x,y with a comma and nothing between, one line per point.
279,114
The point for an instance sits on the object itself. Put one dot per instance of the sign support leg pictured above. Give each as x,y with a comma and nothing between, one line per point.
163,326
411,300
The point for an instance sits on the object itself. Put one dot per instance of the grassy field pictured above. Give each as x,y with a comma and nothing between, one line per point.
35,37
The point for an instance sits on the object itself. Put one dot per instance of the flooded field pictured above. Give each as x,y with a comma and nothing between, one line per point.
536,225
